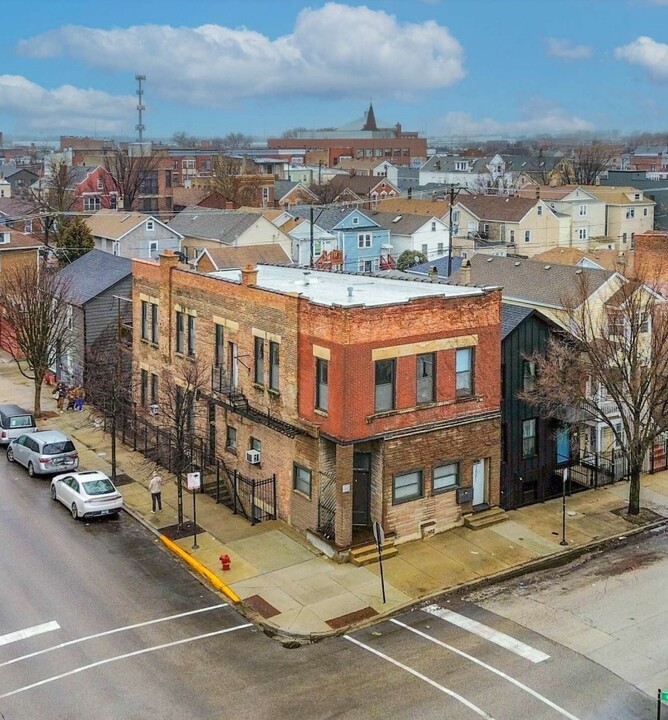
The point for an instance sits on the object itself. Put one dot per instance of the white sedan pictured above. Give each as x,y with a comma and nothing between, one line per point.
87,494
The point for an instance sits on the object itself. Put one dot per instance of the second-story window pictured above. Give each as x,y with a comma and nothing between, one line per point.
144,320
274,360
155,327
191,335
426,377
384,385
259,361
180,331
219,347
322,384
464,372
364,240
528,375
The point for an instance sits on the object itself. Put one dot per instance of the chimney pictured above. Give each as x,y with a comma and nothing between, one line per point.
537,192
229,205
397,130
249,275
168,259
465,272
433,273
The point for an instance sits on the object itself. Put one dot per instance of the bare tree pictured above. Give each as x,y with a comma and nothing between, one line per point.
325,193
229,180
54,197
586,164
622,350
35,303
293,133
236,141
134,171
182,140
179,412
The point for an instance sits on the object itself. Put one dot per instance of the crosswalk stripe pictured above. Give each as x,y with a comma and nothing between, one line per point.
482,664
488,633
29,632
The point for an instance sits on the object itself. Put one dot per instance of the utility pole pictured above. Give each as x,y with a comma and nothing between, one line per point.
311,239
140,127
453,194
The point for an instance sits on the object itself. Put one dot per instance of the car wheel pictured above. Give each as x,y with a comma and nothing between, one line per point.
75,511
31,470
53,493
10,455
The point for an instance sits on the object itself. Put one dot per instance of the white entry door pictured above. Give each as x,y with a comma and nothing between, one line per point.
479,483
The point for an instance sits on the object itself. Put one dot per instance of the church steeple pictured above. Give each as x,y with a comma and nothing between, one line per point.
370,123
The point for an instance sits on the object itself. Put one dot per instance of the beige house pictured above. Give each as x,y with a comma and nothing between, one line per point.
211,228
627,213
496,225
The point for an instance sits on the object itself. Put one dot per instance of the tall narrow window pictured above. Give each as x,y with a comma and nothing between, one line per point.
154,323
144,320
529,438
259,361
154,388
191,335
274,369
180,322
144,388
322,384
219,347
528,375
384,385
426,376
464,372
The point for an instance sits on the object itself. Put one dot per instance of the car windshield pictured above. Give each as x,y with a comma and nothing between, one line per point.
98,487
19,421
64,446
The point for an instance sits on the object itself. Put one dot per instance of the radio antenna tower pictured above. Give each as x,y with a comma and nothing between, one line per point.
140,127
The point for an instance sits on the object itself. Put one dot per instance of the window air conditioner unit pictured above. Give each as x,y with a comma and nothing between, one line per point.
154,409
253,457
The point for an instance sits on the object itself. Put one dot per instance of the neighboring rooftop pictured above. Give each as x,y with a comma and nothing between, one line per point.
239,257
527,280
441,265
511,317
18,240
213,224
114,224
93,273
347,289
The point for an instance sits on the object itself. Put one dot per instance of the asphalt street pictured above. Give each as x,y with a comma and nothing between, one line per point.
97,620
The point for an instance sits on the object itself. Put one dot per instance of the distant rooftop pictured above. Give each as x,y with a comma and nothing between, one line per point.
347,290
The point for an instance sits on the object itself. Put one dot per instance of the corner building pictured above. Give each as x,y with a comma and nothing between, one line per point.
368,398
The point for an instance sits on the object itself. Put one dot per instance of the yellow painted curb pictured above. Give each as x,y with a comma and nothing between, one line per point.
197,565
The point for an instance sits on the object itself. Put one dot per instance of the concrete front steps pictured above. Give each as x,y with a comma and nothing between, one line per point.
368,554
485,518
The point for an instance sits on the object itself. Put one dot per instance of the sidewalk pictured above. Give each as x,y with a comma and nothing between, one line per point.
294,592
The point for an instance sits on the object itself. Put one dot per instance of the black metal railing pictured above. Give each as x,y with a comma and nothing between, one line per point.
327,506
255,499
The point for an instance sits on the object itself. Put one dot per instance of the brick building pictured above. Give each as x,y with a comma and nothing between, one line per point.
367,398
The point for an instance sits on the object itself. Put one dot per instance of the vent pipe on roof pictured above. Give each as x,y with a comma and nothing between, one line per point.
350,291
307,279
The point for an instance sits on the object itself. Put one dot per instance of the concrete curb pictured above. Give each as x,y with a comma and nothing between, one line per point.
186,557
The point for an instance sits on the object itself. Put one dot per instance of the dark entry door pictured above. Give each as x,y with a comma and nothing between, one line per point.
361,489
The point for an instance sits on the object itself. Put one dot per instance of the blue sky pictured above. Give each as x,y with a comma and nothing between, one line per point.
442,67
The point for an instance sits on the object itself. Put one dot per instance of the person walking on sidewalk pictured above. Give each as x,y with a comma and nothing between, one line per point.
155,486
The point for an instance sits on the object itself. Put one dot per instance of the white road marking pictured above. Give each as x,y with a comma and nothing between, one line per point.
112,632
488,633
29,632
83,668
500,673
419,675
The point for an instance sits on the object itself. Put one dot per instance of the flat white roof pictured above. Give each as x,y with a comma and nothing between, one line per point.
346,289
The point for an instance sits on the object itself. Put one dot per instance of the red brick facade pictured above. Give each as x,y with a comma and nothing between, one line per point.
353,453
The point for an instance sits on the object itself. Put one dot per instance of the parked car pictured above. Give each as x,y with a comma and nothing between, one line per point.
44,452
89,493
15,421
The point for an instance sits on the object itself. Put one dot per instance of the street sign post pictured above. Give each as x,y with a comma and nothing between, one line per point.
379,534
194,483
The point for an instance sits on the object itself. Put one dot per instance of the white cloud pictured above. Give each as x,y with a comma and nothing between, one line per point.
334,50
538,118
561,48
649,54
64,107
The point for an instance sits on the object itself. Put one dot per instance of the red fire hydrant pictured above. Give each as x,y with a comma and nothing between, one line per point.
225,562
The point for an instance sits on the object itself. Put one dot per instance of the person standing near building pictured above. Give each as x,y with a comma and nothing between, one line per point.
155,487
